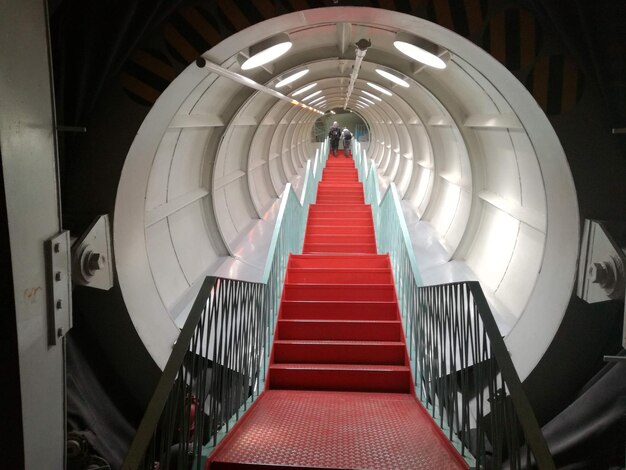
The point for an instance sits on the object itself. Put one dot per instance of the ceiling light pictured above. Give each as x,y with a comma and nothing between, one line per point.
315,93
292,78
317,99
302,90
421,50
267,50
394,78
366,100
379,88
372,95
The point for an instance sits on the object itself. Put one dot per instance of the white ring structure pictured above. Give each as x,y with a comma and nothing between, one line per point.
473,156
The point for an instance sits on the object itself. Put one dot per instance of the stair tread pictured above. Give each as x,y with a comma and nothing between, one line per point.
334,342
318,429
344,367
314,320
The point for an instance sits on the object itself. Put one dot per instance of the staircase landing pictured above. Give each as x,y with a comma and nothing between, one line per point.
339,430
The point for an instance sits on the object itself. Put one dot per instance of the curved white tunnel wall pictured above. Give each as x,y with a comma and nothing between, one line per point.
471,153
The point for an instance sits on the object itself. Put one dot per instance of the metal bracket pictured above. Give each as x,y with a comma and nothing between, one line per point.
92,256
59,286
602,264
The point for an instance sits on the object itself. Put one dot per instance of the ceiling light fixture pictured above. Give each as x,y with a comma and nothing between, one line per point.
267,50
379,88
365,99
302,90
421,50
372,95
319,98
292,78
394,78
315,93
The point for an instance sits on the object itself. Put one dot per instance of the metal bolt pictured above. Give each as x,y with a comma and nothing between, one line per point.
599,274
57,276
95,262
59,305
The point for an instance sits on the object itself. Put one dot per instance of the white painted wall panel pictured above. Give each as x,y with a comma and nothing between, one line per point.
166,270
502,175
493,246
521,274
239,205
156,192
193,248
187,162
533,192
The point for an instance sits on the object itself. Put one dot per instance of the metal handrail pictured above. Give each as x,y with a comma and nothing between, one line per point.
219,362
462,370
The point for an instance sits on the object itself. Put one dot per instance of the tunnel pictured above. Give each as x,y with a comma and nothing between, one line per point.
485,183
502,147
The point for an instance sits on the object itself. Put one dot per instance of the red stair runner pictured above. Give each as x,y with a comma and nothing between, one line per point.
339,391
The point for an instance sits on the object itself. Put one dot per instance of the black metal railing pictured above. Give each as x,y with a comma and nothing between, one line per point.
465,377
216,370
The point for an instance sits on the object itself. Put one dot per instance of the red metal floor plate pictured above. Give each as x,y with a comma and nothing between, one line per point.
339,430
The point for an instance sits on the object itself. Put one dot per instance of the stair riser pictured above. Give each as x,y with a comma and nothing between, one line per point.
338,311
334,292
344,380
338,331
321,230
339,239
339,277
334,261
339,248
338,213
325,221
343,198
307,353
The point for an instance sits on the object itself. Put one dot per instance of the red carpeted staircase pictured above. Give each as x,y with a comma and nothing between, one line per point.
339,391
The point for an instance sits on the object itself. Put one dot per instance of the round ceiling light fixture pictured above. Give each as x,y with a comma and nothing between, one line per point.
392,77
421,50
292,78
267,51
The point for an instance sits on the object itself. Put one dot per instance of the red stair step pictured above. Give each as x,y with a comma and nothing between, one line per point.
339,248
340,330
339,261
340,239
339,275
345,230
323,292
319,220
338,310
339,352
347,377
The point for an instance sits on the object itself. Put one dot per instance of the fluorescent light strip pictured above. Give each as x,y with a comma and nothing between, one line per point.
372,95
302,90
419,54
394,78
266,56
291,78
379,88
366,100
317,99
315,93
